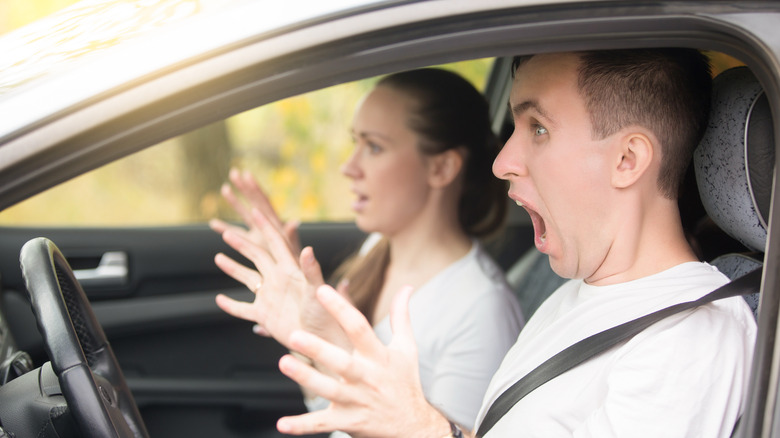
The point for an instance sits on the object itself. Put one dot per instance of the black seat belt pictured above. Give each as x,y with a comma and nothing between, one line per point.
592,346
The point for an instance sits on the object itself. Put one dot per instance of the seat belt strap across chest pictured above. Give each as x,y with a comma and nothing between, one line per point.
596,344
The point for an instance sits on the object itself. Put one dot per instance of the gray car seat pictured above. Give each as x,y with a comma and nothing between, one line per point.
533,280
734,166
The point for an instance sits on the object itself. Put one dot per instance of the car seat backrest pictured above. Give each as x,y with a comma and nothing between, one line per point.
533,280
734,166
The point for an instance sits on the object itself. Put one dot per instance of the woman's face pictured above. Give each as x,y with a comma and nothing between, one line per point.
387,169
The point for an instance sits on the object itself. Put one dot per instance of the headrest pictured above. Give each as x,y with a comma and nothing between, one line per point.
734,162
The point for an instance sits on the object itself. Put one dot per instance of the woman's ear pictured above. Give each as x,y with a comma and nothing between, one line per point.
444,168
635,155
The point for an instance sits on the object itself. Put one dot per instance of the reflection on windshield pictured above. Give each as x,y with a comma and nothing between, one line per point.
85,28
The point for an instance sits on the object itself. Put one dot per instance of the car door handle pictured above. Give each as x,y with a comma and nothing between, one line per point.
111,271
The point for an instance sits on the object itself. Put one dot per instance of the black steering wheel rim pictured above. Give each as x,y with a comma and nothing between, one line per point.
90,377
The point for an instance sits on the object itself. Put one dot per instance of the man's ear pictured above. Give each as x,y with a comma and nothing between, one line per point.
443,168
635,155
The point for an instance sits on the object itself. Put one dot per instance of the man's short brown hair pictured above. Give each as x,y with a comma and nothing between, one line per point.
664,90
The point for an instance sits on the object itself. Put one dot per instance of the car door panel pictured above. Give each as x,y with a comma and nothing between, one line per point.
186,361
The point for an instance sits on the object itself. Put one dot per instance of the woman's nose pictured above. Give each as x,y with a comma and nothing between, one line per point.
351,167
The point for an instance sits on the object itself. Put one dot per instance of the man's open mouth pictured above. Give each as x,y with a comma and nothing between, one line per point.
540,231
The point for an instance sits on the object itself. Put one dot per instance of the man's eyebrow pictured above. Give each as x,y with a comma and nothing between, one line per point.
522,107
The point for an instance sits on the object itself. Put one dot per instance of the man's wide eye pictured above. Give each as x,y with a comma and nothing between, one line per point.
540,130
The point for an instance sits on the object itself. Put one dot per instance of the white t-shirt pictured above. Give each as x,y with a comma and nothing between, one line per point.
682,377
464,320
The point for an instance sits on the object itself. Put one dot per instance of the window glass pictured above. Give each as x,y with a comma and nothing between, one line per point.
294,147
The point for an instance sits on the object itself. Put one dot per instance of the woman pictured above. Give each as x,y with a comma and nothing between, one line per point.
421,175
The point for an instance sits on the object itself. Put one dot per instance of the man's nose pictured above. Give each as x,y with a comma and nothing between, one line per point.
511,160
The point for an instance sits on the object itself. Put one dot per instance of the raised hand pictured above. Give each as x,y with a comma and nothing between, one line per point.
253,197
376,390
284,284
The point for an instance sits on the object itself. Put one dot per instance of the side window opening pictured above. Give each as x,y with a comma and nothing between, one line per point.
294,147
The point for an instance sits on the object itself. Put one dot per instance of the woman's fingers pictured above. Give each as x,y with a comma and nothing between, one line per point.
238,206
237,181
262,260
254,194
254,198
239,272
357,328
239,309
260,331
221,226
343,287
311,267
290,230
278,245
251,192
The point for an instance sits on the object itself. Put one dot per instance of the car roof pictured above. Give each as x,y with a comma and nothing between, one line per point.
95,47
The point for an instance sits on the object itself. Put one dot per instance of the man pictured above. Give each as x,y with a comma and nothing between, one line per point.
600,146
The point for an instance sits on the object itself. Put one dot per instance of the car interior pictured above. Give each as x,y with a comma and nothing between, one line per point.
192,370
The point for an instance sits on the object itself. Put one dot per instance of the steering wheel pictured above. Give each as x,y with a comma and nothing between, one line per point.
88,372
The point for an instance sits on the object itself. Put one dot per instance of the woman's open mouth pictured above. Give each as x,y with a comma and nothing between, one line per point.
359,204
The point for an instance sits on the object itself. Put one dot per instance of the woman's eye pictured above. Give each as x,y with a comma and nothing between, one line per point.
374,148
540,130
